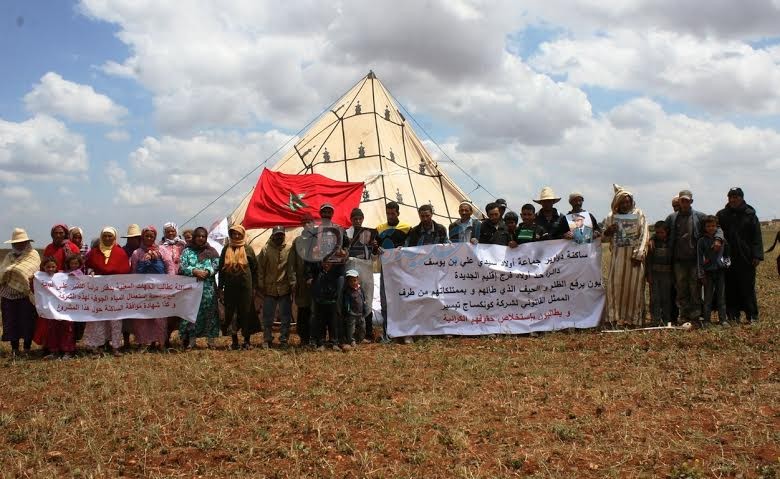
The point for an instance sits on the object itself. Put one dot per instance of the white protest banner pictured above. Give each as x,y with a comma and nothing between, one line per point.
490,289
122,296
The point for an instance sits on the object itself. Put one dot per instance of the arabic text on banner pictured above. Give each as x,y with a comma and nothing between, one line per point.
121,296
488,289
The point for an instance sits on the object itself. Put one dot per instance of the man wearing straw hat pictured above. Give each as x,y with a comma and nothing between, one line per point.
553,223
16,297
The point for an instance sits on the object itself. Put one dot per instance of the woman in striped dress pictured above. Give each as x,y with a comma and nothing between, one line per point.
626,231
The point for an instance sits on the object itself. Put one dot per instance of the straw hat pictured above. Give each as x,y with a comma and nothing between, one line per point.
547,194
133,231
18,236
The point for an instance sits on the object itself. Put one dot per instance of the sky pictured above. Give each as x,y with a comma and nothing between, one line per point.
144,111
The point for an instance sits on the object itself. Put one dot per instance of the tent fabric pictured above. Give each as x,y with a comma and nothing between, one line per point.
365,138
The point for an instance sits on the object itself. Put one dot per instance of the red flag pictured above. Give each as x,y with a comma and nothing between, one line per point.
283,199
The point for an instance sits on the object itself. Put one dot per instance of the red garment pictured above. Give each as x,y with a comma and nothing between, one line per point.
283,199
60,252
60,337
118,262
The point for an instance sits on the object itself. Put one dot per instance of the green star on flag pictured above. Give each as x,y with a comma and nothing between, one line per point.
296,201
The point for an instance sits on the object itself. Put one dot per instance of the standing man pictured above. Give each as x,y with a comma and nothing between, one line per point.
554,224
501,202
466,229
300,254
576,200
743,232
391,235
493,230
685,229
428,231
676,204
276,280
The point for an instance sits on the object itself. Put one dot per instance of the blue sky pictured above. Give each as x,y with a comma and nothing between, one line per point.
107,107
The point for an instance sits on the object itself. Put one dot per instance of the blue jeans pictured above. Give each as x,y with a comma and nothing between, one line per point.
269,310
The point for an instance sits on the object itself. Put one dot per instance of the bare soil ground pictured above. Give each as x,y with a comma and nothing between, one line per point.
679,404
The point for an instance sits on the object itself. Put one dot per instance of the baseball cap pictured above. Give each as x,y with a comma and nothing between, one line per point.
352,273
277,229
326,205
736,191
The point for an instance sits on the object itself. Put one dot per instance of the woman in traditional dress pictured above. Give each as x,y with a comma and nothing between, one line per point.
17,302
201,260
106,259
60,248
171,248
237,282
626,230
76,236
147,259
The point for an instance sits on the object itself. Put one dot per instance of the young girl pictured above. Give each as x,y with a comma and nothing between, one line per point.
61,337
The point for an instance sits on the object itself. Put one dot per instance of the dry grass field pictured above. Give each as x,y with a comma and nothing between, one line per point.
704,403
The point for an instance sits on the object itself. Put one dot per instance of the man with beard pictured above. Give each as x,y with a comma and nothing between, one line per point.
743,232
554,224
391,235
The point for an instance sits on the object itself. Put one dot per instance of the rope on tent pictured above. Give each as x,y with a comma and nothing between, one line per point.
328,108
258,166
479,185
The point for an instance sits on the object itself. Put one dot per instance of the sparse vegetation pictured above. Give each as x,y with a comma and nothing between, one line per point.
657,404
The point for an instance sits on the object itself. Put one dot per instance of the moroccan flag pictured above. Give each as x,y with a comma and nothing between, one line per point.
283,199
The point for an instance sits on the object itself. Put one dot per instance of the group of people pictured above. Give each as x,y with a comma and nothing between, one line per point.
694,263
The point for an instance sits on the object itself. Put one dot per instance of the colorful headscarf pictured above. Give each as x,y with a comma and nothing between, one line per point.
176,240
235,256
153,247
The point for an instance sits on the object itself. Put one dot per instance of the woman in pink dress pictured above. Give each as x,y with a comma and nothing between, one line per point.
148,260
171,248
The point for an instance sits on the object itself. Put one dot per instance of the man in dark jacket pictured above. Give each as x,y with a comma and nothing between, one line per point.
428,231
554,224
743,232
493,230
685,229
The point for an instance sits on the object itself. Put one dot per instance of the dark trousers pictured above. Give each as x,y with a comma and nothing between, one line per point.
364,328
325,324
715,290
661,298
688,290
303,325
348,328
741,290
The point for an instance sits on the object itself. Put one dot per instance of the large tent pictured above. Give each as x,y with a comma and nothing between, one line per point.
364,137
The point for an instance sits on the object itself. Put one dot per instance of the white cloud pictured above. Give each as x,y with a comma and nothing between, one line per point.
286,64
57,96
118,135
640,146
41,147
747,19
716,75
16,192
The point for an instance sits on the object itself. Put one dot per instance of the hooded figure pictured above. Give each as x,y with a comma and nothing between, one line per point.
236,284
626,231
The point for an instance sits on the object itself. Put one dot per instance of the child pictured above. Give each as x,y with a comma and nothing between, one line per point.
528,230
354,308
658,270
326,280
59,337
711,265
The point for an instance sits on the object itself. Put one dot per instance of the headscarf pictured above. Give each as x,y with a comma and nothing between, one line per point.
175,241
67,234
621,193
18,267
106,250
206,251
153,247
73,230
235,256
